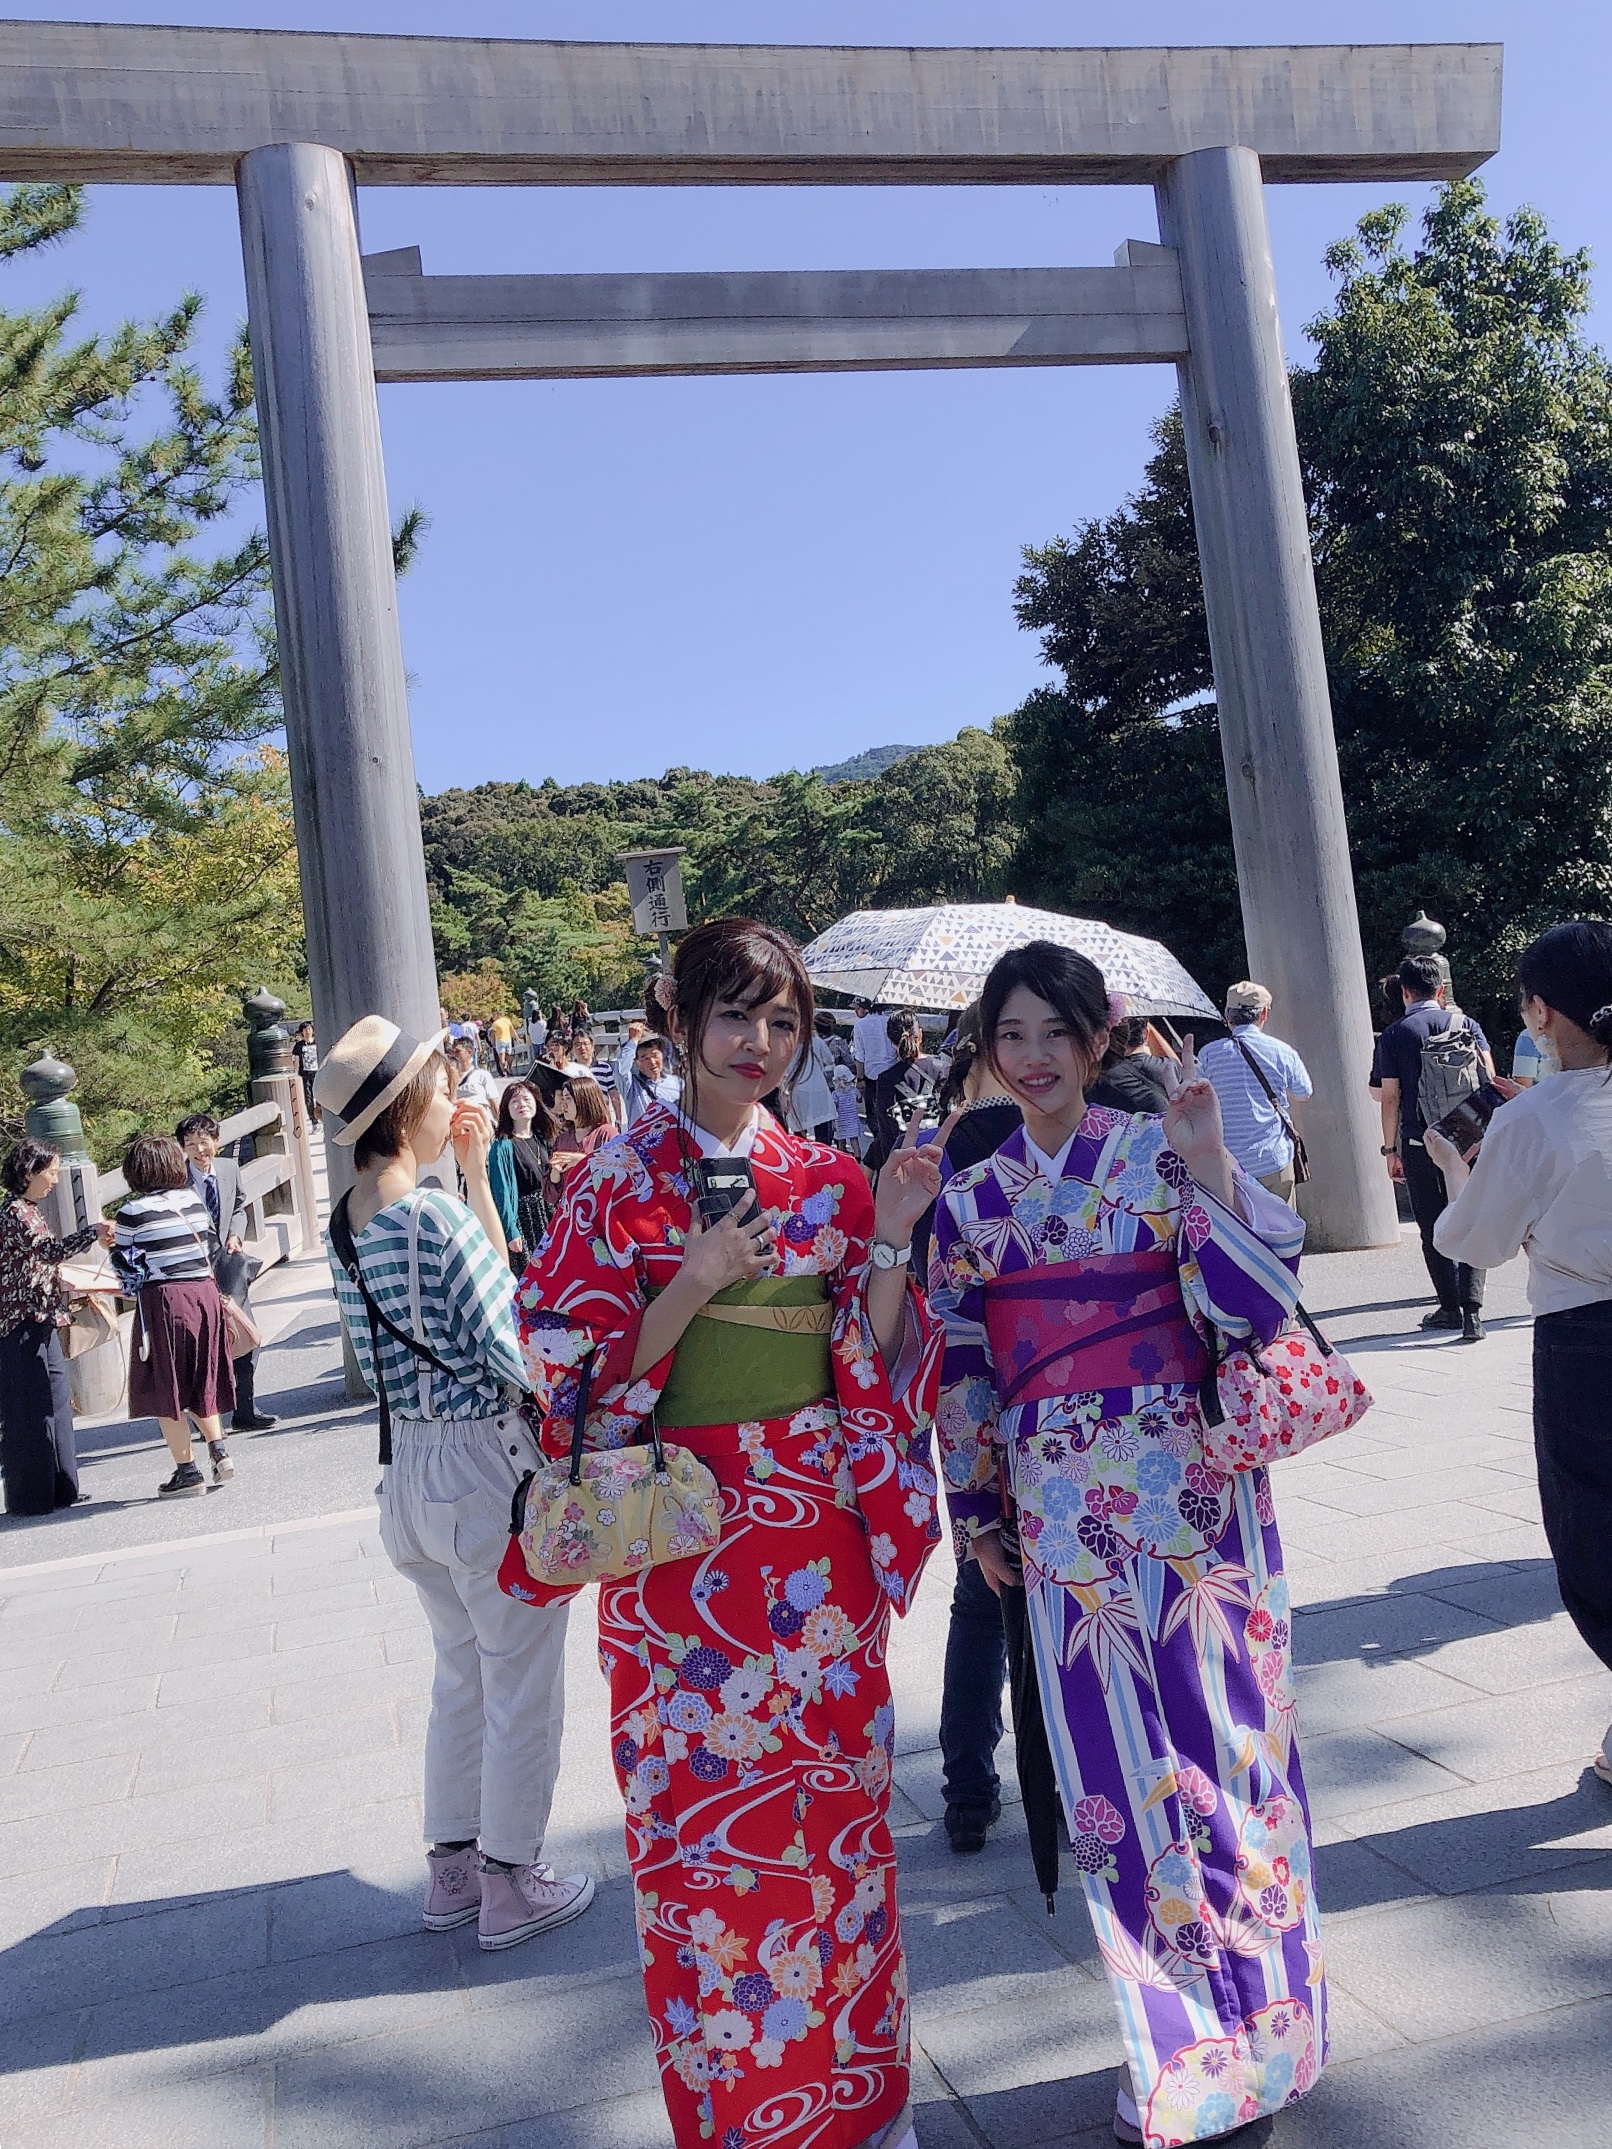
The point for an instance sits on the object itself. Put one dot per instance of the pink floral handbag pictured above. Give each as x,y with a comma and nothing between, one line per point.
1264,1401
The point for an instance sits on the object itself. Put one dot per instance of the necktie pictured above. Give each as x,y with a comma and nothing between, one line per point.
210,1196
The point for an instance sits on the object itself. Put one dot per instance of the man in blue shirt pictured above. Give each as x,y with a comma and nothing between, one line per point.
1396,1074
1256,1115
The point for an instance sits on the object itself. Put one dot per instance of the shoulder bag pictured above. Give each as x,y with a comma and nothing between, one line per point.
1261,1402
1301,1156
341,1238
606,1514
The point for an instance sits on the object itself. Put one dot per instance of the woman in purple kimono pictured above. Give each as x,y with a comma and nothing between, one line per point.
1079,1272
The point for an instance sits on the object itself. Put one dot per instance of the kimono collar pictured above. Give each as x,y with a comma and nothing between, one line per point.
709,1146
1050,1167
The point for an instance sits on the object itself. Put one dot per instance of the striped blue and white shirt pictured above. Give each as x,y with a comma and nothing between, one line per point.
1253,1127
464,1314
171,1229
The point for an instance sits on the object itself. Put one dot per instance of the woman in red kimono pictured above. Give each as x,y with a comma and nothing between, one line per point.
752,1727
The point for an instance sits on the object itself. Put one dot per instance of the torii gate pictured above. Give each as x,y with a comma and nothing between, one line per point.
297,121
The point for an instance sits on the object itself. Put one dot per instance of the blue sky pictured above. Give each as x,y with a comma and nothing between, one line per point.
754,574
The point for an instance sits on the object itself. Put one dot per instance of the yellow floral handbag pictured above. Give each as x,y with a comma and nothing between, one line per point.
603,1515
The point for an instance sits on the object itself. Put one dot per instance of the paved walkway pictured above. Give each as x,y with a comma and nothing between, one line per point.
210,1723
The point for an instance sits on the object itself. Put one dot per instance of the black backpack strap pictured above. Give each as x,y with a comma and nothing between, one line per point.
341,1238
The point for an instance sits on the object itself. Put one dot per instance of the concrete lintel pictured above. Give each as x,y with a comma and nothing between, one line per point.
426,328
146,104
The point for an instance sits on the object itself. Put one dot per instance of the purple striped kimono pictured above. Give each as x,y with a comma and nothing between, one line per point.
1158,1608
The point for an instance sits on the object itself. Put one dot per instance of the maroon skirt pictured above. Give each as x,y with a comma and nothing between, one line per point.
188,1366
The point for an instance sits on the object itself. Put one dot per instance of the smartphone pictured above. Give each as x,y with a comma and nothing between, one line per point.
1467,1124
721,1183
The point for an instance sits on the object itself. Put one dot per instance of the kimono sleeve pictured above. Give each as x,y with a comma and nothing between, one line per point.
966,1417
582,1291
885,1416
1240,1275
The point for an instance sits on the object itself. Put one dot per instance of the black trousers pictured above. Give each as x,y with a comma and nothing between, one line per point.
38,1450
1455,1283
1573,1447
971,1695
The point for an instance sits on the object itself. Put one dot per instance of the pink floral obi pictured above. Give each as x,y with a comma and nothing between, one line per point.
1107,1321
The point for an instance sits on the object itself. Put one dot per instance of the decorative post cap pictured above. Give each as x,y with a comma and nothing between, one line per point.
268,1041
50,1116
261,1008
47,1079
1423,935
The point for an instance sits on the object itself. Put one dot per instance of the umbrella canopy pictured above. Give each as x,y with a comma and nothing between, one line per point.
938,958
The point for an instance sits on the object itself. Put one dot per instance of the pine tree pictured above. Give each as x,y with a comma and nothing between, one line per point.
147,867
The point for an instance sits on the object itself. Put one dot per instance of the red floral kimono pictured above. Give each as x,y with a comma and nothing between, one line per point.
752,1726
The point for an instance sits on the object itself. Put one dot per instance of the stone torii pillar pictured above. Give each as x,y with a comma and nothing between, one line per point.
1292,844
335,597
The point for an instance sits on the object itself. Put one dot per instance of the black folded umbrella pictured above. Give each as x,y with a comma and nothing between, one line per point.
1038,1785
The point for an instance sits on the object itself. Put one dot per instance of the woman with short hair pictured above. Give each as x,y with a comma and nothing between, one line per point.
453,1447
38,1451
181,1370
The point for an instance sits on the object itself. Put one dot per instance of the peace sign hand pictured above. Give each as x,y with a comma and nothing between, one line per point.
1192,1124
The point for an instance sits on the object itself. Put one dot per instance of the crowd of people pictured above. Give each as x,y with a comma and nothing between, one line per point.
864,1286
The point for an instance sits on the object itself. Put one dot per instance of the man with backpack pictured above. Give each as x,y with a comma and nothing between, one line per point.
1426,1064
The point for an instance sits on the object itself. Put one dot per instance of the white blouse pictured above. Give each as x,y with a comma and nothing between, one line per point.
1543,1183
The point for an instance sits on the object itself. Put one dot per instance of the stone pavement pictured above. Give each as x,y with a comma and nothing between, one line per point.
210,1723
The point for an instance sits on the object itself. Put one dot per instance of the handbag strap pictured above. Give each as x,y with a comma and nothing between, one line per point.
1264,1082
1209,1391
341,1238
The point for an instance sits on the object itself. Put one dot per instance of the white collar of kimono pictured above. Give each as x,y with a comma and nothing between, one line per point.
1050,1168
709,1146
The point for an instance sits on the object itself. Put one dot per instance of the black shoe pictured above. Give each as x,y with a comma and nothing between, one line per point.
966,1826
1442,1317
187,1483
222,1461
257,1421
1471,1325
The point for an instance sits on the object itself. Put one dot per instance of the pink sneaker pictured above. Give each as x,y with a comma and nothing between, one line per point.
453,1895
518,1901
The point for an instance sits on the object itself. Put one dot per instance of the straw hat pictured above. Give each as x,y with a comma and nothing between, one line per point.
373,1062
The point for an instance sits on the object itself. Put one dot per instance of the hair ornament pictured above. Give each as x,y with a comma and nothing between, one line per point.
1118,1011
1601,1015
664,993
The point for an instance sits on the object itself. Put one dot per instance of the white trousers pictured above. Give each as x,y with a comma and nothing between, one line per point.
492,1746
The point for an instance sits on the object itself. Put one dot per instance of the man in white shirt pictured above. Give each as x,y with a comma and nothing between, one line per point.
474,1084
641,1077
871,1053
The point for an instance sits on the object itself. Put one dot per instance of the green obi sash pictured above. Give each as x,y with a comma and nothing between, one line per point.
757,1350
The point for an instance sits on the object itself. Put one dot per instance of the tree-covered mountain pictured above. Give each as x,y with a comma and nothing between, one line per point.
861,766
525,881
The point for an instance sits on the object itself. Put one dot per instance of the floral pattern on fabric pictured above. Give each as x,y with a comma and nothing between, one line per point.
1224,2082
1160,1622
752,1729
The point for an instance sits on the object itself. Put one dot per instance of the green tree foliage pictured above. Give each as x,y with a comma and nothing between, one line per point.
1456,433
526,876
145,855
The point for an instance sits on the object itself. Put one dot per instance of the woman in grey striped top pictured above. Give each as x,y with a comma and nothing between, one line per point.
181,1368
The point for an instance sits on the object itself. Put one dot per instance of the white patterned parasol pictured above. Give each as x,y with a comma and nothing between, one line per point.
938,958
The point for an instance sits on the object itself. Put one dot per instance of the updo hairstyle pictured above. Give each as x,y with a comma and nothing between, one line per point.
732,961
1570,969
1070,984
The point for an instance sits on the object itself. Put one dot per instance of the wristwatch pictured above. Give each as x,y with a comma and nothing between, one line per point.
885,1256
1394,1152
